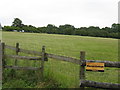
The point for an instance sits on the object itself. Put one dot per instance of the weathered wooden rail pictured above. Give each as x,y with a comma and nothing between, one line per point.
43,56
62,58
87,83
77,61
23,68
23,57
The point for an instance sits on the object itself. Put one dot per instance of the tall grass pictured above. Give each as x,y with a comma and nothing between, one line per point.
64,73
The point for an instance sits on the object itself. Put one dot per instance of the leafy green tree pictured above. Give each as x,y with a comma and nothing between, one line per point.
115,27
42,29
11,28
67,29
51,29
108,29
17,23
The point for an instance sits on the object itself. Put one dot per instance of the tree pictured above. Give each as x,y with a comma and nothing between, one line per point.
115,27
51,29
67,29
0,26
17,23
11,28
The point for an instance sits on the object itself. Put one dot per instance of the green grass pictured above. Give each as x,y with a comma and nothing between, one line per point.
64,73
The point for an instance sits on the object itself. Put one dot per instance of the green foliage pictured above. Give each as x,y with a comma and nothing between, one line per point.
15,84
17,23
67,29
11,28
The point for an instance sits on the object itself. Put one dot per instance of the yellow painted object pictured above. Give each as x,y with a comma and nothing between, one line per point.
94,66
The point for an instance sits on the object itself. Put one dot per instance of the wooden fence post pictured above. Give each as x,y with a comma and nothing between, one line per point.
0,63
17,51
42,62
3,58
82,68
3,55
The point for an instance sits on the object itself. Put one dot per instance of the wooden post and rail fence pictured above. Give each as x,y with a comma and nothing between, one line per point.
43,56
87,83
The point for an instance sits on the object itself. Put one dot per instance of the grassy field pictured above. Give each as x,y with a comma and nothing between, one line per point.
64,74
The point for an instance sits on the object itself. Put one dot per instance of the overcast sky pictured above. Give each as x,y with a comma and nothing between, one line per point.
80,13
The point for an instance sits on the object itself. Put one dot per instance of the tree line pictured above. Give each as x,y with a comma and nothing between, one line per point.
67,29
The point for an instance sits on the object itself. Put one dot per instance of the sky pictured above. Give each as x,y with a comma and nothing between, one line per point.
80,13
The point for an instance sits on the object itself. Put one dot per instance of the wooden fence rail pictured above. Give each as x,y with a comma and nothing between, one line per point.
86,83
76,61
65,58
43,56
23,68
22,57
10,47
107,63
